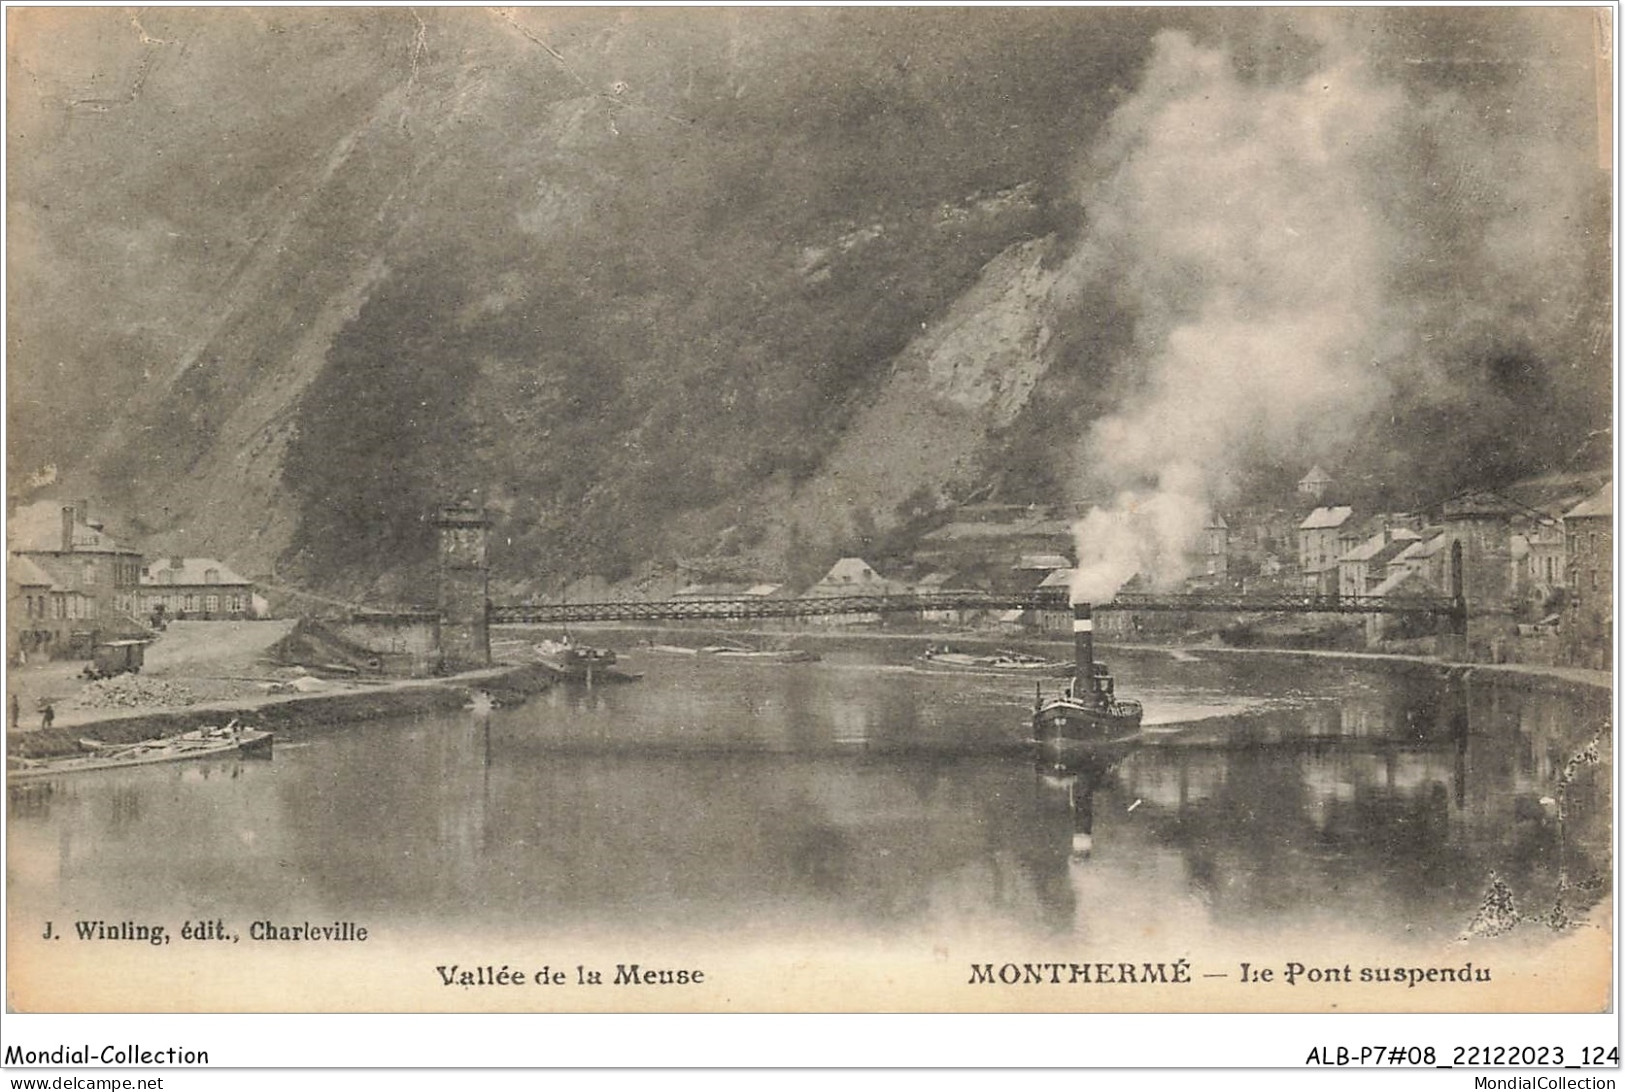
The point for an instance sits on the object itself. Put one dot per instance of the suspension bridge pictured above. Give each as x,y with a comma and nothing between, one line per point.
739,607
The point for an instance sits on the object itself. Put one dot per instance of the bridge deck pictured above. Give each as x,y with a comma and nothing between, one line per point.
745,607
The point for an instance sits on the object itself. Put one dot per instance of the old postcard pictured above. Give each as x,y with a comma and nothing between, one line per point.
794,510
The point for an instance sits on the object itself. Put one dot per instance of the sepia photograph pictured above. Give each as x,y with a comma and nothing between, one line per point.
798,510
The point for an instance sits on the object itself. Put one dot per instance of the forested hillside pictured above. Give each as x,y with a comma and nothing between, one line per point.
757,284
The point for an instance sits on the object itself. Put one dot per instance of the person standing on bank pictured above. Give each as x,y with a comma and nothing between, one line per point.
47,716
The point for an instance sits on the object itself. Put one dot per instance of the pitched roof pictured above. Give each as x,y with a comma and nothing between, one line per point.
1042,561
1383,546
1325,519
1391,550
850,570
1600,503
1420,550
1060,578
1368,549
1316,476
853,575
38,528
191,570
25,573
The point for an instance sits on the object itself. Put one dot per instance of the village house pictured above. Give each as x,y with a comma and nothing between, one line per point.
90,577
1029,574
729,592
1538,563
41,615
853,576
1588,618
943,584
1363,568
1057,619
1214,562
1031,570
1426,557
1319,546
1314,484
197,589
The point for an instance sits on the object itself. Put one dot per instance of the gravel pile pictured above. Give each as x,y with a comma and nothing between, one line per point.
133,691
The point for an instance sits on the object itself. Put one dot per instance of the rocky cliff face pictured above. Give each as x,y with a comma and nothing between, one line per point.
606,275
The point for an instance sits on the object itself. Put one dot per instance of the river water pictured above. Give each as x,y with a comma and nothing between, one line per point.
864,798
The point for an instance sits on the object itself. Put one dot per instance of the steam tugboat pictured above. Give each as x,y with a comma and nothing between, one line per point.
1088,721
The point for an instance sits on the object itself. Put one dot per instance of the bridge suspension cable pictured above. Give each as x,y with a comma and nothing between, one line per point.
746,607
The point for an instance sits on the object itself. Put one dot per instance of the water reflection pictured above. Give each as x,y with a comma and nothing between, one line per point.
1075,783
857,796
1398,807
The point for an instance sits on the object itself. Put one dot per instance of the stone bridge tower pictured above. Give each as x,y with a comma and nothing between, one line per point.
465,639
1478,526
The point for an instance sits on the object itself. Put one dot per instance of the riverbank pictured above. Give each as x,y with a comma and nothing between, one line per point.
1535,673
284,712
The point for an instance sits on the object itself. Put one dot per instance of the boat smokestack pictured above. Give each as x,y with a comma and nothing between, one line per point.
1083,647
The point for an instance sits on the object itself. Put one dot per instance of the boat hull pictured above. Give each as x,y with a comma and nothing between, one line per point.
582,673
988,665
1068,727
582,663
768,656
203,743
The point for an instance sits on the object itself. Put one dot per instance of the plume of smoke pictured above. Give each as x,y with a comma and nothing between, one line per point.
1141,532
1285,254
1233,220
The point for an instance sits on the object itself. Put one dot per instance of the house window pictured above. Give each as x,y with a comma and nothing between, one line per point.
191,603
211,603
211,576
236,604
90,572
